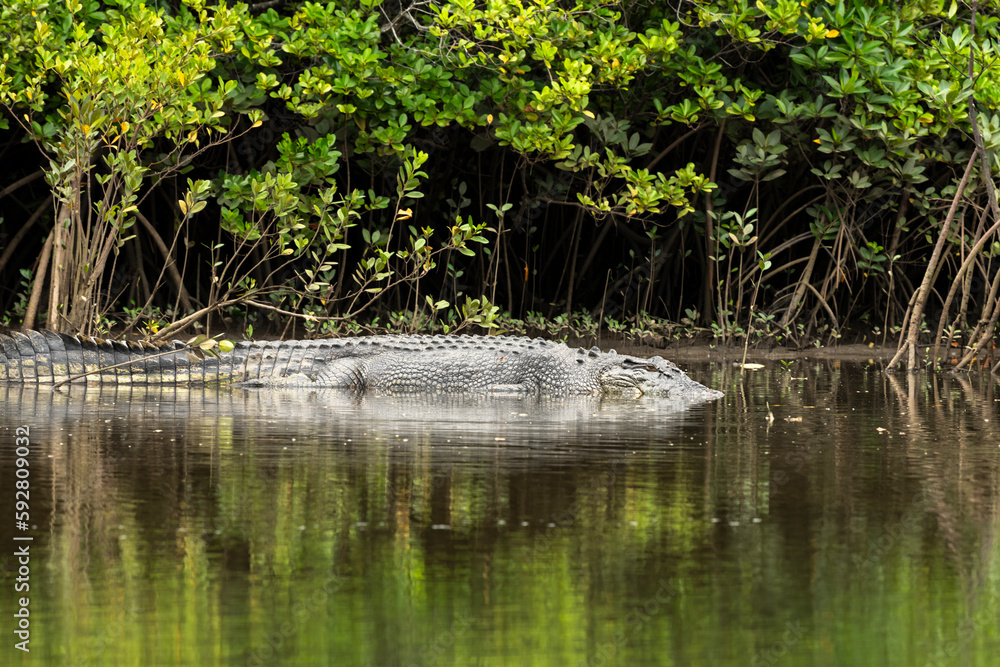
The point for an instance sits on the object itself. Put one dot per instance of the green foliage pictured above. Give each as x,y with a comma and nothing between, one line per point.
824,136
95,89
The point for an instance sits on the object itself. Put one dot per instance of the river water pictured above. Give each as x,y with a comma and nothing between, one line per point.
234,527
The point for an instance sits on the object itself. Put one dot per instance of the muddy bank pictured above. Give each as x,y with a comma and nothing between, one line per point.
856,352
702,351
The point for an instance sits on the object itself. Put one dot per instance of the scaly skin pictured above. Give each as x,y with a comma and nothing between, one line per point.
390,364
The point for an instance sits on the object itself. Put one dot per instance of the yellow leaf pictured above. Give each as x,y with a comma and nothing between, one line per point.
183,205
817,141
588,114
257,124
489,119
86,129
832,33
404,214
125,127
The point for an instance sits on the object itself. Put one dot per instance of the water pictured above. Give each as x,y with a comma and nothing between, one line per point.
196,527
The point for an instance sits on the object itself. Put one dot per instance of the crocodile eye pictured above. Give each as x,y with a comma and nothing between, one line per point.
652,369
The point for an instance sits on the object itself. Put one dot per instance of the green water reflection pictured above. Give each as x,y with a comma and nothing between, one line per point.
264,528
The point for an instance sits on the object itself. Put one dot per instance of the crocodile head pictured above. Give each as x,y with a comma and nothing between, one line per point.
632,376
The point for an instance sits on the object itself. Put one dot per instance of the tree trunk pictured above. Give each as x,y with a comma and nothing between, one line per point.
912,328
59,270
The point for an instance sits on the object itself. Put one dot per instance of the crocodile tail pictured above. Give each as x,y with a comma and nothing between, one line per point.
32,357
45,357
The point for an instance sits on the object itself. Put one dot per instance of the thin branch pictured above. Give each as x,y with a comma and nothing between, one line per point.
21,182
22,232
185,321
169,264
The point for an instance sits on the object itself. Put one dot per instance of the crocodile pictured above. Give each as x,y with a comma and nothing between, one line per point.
405,364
